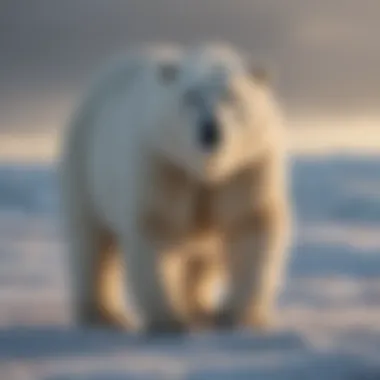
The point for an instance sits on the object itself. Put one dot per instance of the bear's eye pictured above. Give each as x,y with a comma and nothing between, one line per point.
235,104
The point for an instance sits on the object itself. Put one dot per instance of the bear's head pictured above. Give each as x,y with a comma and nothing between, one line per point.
215,113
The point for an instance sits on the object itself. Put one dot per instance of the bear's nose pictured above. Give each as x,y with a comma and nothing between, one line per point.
209,134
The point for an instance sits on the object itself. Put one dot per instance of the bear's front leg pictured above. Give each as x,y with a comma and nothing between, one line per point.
256,254
161,220
147,286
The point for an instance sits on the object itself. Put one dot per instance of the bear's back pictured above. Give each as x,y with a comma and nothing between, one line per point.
102,139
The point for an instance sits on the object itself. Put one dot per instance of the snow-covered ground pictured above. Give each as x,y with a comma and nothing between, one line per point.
329,321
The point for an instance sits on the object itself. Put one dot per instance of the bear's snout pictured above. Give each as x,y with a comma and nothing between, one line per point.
209,135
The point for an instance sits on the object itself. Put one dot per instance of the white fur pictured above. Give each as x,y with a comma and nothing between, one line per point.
130,118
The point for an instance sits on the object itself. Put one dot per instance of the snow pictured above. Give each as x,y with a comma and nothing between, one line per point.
329,317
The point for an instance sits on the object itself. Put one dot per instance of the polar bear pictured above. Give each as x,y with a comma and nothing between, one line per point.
173,183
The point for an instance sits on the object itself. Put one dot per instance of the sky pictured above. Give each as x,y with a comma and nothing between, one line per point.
325,54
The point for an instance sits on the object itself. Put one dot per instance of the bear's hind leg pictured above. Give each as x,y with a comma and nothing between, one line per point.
82,246
204,281
92,267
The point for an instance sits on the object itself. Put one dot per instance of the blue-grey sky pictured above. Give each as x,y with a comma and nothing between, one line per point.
326,52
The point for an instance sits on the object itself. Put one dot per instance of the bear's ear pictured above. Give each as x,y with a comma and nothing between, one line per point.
262,75
168,72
